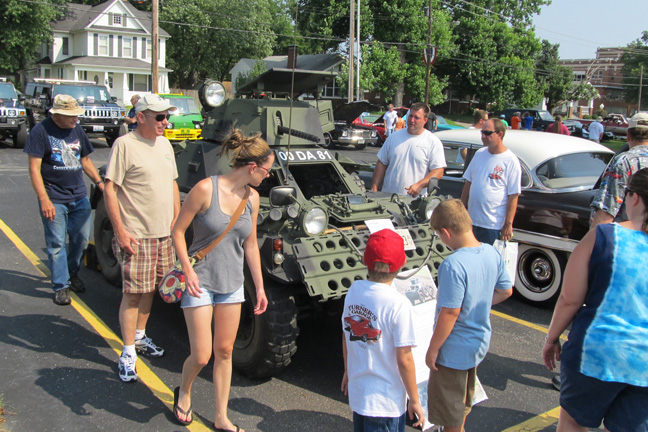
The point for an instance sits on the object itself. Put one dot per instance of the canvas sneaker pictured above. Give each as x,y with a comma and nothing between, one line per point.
76,284
145,346
62,297
127,370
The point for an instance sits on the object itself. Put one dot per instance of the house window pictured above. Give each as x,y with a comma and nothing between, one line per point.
139,82
143,48
66,47
117,20
149,48
82,75
127,50
103,45
331,90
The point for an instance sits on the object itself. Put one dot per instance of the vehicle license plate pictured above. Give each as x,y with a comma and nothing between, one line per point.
185,131
360,141
97,128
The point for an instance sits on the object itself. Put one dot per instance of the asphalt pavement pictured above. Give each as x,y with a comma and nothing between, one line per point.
58,365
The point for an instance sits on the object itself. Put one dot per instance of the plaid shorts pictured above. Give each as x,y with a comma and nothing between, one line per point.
142,273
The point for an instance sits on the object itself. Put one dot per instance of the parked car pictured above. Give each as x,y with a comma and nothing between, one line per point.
442,124
13,115
558,176
346,131
379,124
578,129
541,118
185,122
614,124
360,327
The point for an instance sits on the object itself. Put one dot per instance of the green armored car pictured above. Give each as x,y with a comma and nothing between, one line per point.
312,224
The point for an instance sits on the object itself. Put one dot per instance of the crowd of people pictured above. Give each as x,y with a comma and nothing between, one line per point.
604,296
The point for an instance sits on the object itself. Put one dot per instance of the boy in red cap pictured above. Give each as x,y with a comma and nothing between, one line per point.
472,279
379,372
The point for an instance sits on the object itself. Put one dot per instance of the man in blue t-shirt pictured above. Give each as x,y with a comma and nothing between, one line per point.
59,150
131,118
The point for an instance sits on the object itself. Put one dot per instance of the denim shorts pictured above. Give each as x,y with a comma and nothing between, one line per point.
363,423
621,407
211,298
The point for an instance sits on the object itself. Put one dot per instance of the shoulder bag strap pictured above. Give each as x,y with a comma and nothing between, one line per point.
237,213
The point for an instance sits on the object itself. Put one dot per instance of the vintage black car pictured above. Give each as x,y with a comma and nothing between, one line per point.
558,176
348,133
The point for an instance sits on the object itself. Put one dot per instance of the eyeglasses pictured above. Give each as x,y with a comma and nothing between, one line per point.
487,132
628,191
267,171
160,117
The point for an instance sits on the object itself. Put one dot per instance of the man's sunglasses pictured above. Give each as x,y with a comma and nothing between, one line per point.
160,117
487,132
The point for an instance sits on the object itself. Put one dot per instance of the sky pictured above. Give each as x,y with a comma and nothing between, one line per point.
581,26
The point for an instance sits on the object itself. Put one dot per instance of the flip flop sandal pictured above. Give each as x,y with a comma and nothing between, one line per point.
227,430
177,410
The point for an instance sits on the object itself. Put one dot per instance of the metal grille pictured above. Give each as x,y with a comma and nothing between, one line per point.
98,112
5,112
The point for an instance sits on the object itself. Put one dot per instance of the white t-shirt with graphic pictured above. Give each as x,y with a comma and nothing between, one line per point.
376,319
494,177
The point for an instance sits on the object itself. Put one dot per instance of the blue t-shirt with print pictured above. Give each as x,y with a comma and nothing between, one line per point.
466,280
61,151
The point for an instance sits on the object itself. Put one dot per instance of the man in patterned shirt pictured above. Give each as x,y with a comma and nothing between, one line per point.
607,205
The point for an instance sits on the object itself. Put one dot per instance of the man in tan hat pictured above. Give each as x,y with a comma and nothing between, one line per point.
143,201
607,205
59,152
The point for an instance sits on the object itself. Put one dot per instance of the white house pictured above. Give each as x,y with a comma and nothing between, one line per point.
109,43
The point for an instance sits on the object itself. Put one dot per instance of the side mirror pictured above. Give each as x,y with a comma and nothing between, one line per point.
282,196
433,186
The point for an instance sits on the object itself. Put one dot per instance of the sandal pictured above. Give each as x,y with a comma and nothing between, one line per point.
227,430
177,410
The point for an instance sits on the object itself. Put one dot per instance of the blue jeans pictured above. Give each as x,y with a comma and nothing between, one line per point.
378,424
486,235
74,220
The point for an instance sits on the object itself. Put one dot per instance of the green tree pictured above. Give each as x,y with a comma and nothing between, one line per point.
633,59
554,79
208,37
23,27
243,78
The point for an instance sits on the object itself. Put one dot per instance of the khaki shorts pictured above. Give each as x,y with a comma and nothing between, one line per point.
142,272
450,395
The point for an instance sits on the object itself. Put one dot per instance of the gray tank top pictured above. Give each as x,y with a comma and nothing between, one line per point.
222,269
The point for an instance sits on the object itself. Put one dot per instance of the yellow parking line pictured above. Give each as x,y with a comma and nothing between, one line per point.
524,323
537,423
144,372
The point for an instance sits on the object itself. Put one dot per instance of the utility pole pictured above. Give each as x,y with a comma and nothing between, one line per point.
640,87
351,46
358,57
155,46
429,45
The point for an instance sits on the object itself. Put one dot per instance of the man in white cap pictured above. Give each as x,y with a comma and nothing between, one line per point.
596,129
142,201
607,205
59,154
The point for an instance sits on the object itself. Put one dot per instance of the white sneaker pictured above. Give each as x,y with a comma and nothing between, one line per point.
127,370
146,347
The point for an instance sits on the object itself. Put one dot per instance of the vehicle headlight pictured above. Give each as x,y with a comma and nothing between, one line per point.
314,221
212,94
345,133
170,126
373,134
198,126
428,208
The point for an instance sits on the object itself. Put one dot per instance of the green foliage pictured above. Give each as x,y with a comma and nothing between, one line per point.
584,90
555,80
208,37
634,57
246,77
23,26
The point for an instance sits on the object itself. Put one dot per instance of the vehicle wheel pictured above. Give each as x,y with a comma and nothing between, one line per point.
360,146
21,136
265,343
364,337
539,275
103,235
328,141
110,138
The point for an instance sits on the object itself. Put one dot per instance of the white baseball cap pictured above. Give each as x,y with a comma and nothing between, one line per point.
153,102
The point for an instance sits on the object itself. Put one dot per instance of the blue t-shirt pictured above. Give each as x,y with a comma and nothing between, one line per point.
132,114
61,151
528,122
467,279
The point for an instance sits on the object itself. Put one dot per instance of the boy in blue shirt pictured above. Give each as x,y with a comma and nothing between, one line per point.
378,337
471,280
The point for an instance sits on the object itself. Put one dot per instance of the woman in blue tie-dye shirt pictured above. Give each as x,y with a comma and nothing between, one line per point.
604,367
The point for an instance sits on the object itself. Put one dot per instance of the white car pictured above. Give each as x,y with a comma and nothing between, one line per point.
559,173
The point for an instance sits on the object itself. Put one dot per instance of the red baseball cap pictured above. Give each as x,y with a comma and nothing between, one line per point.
385,246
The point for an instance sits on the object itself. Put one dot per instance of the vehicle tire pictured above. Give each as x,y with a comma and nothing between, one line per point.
20,139
103,235
364,337
539,275
265,343
328,141
360,146
110,138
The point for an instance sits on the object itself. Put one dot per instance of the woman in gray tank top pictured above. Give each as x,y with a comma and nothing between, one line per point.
215,286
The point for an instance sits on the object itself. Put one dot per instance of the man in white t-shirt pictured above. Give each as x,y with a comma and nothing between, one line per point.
596,129
410,157
492,186
390,120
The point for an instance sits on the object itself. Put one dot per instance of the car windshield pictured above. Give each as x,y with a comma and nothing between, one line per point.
545,115
185,106
7,91
88,94
441,120
578,170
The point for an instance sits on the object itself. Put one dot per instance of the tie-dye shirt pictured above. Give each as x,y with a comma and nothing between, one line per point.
609,335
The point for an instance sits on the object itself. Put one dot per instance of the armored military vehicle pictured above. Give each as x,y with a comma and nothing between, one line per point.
314,215
13,116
